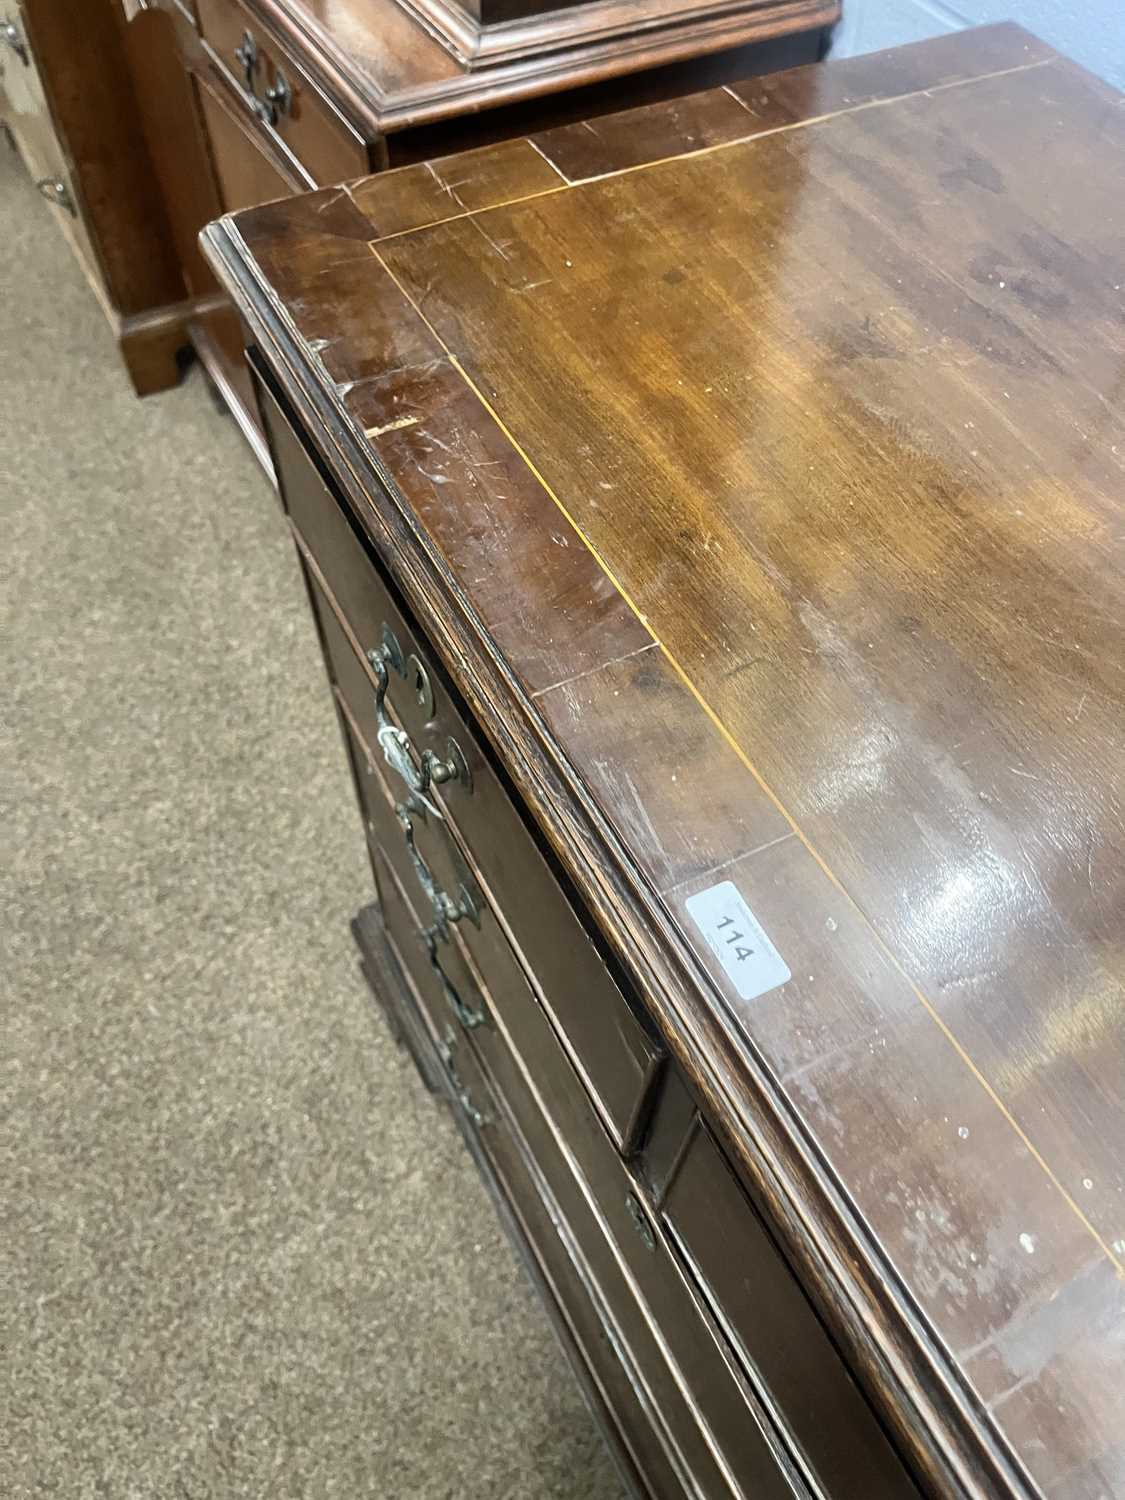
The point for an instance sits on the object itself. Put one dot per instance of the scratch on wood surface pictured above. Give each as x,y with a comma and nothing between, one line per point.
484,234
554,166
449,188
601,667
641,824
742,102
395,426
712,870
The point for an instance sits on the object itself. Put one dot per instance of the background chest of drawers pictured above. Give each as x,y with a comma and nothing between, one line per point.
246,101
709,588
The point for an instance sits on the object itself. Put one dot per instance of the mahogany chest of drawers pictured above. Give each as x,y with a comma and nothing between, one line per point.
712,522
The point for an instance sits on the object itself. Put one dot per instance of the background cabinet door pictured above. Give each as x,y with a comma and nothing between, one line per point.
68,102
26,113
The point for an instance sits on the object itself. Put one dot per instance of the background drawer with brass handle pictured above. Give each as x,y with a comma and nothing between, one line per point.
280,95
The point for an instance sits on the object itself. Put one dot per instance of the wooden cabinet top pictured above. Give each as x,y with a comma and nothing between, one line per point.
756,463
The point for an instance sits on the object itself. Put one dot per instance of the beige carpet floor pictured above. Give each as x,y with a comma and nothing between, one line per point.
242,1253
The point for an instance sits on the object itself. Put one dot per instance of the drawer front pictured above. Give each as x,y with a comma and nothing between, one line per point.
274,87
402,927
247,171
446,966
519,908
778,1336
527,910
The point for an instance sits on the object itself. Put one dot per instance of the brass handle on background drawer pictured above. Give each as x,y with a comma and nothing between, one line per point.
12,37
55,190
278,98
419,769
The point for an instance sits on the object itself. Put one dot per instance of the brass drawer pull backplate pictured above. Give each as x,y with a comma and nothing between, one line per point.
275,101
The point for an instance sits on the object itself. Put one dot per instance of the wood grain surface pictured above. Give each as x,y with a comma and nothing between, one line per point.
777,456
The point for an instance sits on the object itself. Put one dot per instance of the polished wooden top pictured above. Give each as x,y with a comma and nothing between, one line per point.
758,459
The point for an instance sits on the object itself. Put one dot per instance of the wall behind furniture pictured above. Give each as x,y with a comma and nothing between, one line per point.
1092,32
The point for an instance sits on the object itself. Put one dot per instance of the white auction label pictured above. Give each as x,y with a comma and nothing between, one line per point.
738,940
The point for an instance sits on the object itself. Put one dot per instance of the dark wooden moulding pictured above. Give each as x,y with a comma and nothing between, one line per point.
778,532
